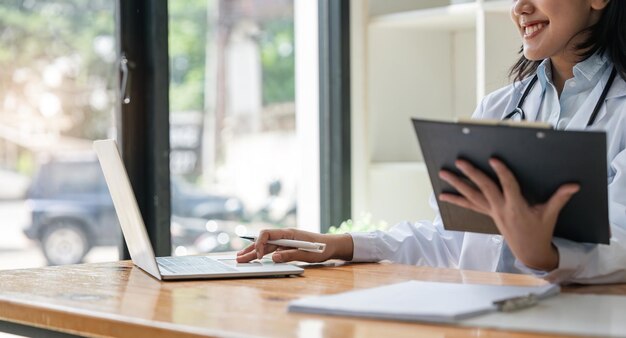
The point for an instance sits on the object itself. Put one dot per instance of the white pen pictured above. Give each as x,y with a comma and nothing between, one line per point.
292,243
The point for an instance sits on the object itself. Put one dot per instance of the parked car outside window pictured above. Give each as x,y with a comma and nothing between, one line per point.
72,211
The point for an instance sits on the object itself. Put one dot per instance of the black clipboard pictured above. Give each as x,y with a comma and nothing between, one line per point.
541,159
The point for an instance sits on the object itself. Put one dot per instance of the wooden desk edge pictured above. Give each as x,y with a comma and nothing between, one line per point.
96,323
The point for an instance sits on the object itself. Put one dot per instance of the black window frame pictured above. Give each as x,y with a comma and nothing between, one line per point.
143,118
334,98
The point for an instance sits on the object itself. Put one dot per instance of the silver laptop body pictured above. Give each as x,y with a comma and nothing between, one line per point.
141,252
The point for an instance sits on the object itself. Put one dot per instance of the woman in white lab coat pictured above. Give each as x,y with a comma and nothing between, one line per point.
573,71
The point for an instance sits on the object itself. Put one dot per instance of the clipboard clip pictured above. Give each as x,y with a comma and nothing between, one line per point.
509,123
516,303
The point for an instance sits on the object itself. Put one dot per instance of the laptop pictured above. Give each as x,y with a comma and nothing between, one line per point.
141,251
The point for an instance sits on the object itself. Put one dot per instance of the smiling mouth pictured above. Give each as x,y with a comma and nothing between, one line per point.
534,29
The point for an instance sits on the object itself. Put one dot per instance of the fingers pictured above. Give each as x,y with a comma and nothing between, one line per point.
245,258
263,248
249,248
283,254
461,202
261,242
510,186
247,254
474,196
487,186
288,255
462,187
559,199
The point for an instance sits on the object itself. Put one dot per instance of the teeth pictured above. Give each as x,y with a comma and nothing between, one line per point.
528,30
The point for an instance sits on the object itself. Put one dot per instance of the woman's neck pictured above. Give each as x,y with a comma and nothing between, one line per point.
562,70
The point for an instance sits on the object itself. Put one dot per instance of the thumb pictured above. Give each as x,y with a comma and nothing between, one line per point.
560,198
282,256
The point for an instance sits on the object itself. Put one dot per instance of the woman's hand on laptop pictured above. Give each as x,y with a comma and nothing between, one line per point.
337,247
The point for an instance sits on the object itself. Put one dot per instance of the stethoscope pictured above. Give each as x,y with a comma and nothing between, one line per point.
519,111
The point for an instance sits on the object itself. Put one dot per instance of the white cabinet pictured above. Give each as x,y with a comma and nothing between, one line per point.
434,62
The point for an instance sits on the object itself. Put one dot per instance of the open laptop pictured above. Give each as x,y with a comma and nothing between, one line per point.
141,252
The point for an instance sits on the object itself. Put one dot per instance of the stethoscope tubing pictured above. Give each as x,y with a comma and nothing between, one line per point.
520,111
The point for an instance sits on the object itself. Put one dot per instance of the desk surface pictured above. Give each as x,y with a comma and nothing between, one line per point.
116,299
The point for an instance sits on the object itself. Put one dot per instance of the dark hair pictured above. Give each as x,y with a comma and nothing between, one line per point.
607,35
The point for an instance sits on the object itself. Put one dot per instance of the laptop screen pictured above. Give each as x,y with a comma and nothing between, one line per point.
126,207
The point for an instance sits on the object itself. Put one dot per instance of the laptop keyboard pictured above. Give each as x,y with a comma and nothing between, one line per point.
193,265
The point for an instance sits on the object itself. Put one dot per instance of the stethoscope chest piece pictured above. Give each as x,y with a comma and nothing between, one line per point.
517,111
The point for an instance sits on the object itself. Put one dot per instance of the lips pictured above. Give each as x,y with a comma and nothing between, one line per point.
531,29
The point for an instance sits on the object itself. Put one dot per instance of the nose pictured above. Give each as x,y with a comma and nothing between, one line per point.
521,7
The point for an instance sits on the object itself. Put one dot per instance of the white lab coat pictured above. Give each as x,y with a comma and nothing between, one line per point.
427,243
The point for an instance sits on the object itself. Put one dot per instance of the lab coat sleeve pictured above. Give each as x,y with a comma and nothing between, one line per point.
421,243
418,243
596,263
499,98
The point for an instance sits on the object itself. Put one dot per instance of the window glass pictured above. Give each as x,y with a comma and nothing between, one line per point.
58,80
233,139
66,179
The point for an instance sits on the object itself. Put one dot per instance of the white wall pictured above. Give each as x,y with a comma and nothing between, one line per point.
405,81
378,7
431,64
307,113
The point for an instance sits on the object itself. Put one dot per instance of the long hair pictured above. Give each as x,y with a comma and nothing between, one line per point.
608,36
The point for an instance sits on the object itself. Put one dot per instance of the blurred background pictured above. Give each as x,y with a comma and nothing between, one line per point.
232,126
242,156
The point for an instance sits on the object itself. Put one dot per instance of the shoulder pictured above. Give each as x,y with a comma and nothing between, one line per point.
616,100
612,118
514,89
495,103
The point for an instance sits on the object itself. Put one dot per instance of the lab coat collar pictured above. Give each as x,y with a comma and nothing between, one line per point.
544,73
618,89
586,69
591,66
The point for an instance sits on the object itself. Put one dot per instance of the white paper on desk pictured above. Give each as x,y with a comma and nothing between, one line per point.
418,301
568,314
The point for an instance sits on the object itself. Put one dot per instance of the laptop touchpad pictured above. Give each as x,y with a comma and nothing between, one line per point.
253,264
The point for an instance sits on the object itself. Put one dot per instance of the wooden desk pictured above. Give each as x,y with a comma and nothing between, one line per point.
116,299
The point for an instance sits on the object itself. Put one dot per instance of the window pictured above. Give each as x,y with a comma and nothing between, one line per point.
233,138
57,94
237,149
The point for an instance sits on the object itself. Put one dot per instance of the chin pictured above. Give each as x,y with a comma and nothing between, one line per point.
533,56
